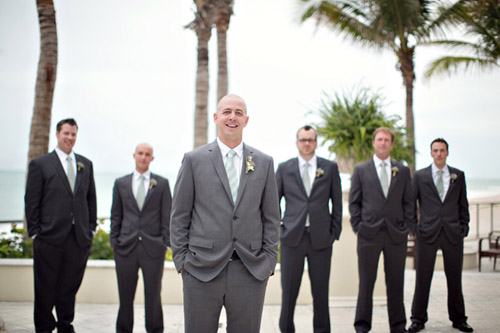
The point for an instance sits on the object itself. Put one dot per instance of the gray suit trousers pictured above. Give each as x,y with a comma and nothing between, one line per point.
236,289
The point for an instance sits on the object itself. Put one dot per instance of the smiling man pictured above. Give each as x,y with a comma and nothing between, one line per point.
224,227
382,212
60,206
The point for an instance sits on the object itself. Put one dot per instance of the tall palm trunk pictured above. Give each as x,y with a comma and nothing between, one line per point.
202,86
407,67
45,82
223,16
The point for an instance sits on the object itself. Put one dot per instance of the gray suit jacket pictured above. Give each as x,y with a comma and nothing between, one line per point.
151,226
370,210
207,226
51,206
451,215
325,222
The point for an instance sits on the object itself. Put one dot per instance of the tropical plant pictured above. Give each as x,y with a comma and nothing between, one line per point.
101,246
202,25
14,245
347,125
45,83
395,25
224,10
480,19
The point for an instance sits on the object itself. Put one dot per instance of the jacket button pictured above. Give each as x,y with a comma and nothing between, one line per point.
235,218
234,239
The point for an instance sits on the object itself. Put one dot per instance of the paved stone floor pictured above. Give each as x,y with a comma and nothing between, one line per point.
481,290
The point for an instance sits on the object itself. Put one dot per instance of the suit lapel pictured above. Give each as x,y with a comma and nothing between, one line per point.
319,165
78,173
296,172
60,170
216,157
373,174
393,178
244,174
428,178
151,190
452,184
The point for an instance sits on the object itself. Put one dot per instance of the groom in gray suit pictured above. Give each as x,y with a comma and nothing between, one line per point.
225,226
382,211
140,219
310,226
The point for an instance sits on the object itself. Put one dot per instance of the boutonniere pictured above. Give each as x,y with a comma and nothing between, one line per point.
394,170
79,166
453,177
319,172
152,183
250,164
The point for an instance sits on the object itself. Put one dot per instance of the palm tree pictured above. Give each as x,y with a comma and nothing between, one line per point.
347,125
224,10
481,21
396,25
45,82
202,25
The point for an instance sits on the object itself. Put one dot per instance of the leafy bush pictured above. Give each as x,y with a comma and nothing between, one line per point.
14,245
101,247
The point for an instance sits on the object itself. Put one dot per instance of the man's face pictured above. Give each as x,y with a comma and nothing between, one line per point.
382,143
66,138
143,156
439,153
230,119
306,143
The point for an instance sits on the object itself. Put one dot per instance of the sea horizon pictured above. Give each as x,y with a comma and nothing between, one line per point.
12,188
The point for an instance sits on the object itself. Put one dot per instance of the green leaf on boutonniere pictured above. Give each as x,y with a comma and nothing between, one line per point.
250,164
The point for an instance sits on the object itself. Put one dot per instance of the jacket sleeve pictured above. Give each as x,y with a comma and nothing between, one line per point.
33,198
355,197
464,208
336,198
116,215
166,207
92,201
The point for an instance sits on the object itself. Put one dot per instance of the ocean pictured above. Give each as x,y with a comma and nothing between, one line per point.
12,185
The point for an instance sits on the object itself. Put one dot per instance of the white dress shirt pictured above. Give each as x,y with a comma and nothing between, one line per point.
387,161
63,158
446,178
135,182
313,165
237,159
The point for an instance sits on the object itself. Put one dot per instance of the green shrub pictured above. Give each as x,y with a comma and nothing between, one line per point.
14,245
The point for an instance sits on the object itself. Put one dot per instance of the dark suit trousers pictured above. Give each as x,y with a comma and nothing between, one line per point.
58,273
292,268
425,257
236,289
394,267
127,273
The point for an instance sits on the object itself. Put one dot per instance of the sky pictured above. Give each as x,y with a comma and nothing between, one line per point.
126,72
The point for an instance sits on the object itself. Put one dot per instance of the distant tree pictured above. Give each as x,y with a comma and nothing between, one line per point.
480,21
387,24
224,10
45,82
347,125
202,25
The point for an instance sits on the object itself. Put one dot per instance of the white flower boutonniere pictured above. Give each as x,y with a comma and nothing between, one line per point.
453,177
319,172
250,164
394,170
79,166
152,183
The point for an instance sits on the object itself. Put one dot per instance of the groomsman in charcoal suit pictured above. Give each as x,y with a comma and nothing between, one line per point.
382,211
310,226
140,218
444,223
225,226
61,212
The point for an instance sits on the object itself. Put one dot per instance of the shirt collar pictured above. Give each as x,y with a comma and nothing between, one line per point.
377,160
435,168
312,162
225,149
146,174
62,155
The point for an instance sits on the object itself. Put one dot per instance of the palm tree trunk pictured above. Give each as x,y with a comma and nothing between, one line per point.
222,78
202,86
408,71
45,83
